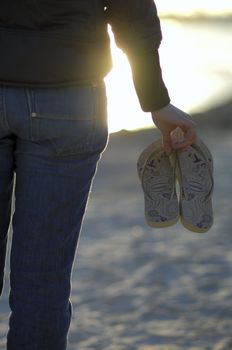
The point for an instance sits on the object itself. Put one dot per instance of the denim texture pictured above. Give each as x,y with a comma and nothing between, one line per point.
51,139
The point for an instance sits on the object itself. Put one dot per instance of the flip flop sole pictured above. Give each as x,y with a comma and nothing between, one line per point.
157,177
163,224
195,175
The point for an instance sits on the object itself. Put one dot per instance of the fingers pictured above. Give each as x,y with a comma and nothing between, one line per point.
180,138
188,137
168,120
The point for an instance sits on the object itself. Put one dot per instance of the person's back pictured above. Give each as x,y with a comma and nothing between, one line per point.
53,42
59,43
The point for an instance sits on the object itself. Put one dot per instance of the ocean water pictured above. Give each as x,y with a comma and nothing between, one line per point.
196,61
191,7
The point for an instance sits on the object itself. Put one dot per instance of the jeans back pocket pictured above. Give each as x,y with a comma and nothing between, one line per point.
66,118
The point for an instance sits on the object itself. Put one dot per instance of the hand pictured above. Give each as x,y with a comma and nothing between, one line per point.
167,120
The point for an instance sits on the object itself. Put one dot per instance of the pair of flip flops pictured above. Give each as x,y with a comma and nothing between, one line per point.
193,169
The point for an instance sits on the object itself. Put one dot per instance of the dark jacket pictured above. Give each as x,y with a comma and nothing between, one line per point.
62,42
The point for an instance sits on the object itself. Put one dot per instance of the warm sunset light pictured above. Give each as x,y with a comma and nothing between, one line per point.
195,60
196,6
123,106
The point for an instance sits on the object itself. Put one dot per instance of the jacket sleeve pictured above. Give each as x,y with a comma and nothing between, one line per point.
137,32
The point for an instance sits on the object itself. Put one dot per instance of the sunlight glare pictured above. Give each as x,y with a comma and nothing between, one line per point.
191,67
196,66
180,7
124,110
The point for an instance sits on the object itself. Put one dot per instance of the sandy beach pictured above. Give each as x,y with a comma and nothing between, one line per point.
138,288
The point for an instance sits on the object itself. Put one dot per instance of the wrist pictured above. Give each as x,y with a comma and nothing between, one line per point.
157,111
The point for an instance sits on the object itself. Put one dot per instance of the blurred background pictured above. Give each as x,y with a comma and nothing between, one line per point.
138,288
196,59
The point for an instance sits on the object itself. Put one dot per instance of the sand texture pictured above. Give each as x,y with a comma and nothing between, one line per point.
138,288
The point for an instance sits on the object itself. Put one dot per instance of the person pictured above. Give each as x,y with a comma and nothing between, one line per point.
53,130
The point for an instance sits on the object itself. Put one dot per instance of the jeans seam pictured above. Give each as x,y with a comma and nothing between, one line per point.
29,99
5,119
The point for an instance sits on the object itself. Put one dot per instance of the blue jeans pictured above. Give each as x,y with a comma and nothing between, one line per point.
52,140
